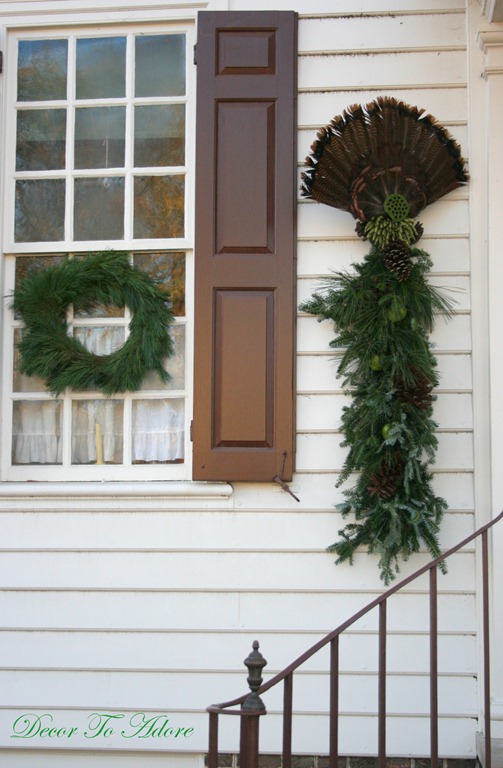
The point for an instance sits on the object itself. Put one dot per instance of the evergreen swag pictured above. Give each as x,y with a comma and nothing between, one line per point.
42,300
383,163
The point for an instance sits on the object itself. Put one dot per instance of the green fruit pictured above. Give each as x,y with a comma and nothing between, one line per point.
396,312
375,363
385,431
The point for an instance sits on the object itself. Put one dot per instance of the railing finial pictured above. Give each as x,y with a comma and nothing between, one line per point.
255,663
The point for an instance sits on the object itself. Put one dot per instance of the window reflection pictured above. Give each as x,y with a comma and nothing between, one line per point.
42,67
41,139
100,137
159,135
99,209
159,206
101,68
160,65
39,210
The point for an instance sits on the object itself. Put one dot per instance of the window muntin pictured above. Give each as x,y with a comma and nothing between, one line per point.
100,139
94,166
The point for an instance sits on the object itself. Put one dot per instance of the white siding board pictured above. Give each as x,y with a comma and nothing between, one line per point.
327,8
449,335
317,372
405,736
444,68
451,411
174,691
91,759
120,609
455,288
276,570
321,257
457,654
307,523
398,31
447,104
189,692
319,451
448,217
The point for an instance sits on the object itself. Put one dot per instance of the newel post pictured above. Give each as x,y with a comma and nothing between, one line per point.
252,708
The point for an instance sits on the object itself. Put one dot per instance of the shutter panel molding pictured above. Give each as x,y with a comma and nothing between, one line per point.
245,246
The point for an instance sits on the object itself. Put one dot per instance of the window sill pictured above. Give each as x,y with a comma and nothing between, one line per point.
142,494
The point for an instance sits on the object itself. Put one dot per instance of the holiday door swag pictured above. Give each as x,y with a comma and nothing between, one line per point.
42,299
383,163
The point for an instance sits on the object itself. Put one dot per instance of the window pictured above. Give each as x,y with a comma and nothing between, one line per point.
99,158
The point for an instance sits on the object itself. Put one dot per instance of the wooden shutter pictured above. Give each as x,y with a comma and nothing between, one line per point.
243,426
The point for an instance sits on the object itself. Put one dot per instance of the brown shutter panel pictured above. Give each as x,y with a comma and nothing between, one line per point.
245,246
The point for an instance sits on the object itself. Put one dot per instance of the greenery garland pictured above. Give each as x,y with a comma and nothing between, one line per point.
383,162
382,325
42,300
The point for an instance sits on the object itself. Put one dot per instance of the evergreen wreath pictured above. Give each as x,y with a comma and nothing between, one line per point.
42,299
384,162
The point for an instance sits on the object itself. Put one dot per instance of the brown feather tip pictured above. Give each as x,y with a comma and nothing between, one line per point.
384,147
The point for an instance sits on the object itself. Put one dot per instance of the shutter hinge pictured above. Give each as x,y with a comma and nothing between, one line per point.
195,55
191,426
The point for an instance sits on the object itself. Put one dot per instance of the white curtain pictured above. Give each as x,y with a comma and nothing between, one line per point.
36,432
158,430
97,425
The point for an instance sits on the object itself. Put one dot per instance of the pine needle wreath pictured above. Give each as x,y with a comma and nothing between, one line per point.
42,300
383,163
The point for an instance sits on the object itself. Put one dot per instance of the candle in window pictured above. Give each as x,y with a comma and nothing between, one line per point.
99,445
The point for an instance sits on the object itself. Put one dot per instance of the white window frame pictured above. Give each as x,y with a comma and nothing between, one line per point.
10,249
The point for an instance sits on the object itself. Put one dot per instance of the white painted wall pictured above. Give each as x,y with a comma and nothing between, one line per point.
132,599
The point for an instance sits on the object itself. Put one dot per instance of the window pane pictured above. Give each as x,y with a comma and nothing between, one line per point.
21,382
159,206
42,70
97,431
99,209
41,137
101,67
40,210
160,65
168,271
26,264
100,341
159,135
158,431
36,430
100,137
175,365
100,310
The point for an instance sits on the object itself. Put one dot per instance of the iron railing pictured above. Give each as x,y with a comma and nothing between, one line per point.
251,707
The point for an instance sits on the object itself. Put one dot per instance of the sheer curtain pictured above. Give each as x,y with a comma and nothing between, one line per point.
157,433
36,432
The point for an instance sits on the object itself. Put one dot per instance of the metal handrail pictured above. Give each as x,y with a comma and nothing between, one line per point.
250,716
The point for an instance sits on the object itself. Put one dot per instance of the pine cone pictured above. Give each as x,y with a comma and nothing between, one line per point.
383,483
396,257
419,394
360,229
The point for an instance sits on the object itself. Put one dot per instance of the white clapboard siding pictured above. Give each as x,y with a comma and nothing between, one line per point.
152,603
319,258
390,68
447,104
50,758
168,651
398,31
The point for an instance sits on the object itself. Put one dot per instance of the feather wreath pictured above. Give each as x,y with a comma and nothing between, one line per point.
384,162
